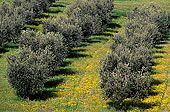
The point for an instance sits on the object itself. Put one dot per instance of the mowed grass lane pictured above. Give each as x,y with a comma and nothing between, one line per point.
75,87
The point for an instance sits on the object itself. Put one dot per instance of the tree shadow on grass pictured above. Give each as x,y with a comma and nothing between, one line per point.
154,64
44,95
77,55
161,42
156,82
90,41
105,34
113,25
65,63
78,50
48,94
100,37
158,47
64,71
49,91
11,45
35,23
53,83
55,12
158,44
58,5
119,13
141,105
164,40
3,50
97,38
130,104
153,71
103,39
112,30
160,51
44,16
83,45
165,37
115,16
156,57
5,47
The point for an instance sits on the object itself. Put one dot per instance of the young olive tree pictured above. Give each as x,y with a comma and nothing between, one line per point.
27,71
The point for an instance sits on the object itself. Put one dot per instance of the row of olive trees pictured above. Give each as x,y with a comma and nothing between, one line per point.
41,53
84,18
13,17
126,70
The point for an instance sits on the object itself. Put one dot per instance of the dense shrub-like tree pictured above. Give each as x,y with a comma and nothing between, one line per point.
90,15
148,32
142,58
151,14
85,14
14,17
125,71
103,9
27,71
54,41
39,55
70,31
11,23
37,6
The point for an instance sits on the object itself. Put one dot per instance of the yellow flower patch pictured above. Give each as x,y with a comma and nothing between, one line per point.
162,90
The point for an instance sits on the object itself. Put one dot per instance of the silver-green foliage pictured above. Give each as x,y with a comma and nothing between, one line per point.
37,6
91,16
54,41
125,71
103,9
143,31
151,14
27,71
70,31
39,55
14,17
11,23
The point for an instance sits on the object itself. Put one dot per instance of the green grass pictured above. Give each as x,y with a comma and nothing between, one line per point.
75,86
6,0
57,9
62,3
7,97
33,27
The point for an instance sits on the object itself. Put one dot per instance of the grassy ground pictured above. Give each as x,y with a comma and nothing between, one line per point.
57,9
75,86
159,98
6,0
